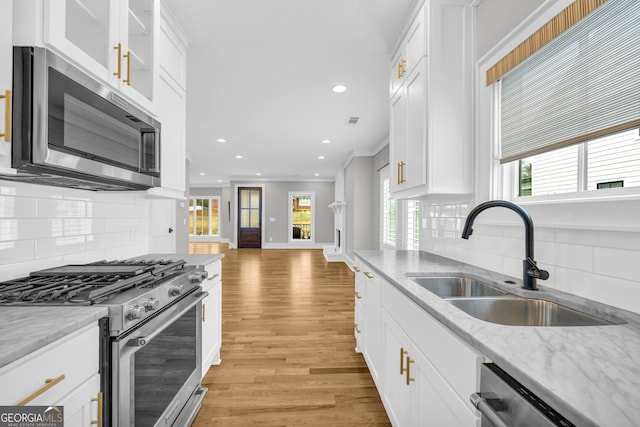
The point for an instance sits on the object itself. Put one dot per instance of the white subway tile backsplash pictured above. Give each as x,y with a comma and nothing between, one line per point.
619,263
592,263
42,227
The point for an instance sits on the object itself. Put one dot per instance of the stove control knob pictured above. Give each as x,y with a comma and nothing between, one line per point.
175,290
151,304
198,276
136,312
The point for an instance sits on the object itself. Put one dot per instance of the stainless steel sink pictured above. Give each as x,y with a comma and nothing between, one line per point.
447,287
515,311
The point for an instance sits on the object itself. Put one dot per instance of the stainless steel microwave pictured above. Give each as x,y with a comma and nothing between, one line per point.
71,130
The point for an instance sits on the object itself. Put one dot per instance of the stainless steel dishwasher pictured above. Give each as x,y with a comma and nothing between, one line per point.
505,402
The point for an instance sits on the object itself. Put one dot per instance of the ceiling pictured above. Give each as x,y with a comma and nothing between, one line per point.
260,75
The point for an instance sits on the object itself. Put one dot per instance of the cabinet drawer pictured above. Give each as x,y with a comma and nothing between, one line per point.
80,408
455,360
215,275
75,357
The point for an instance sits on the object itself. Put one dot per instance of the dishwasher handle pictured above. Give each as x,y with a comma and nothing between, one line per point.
487,410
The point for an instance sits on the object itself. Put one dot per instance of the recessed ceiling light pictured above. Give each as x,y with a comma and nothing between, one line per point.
258,174
321,157
221,140
219,180
326,141
339,88
316,174
202,173
238,156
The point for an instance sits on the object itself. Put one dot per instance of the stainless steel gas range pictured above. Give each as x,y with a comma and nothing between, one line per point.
151,340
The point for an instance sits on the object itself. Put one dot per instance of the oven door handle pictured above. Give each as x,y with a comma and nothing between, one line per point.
487,410
184,306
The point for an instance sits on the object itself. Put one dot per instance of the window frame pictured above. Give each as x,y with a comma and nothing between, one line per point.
207,236
385,174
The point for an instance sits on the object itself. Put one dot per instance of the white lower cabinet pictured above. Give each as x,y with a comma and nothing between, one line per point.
424,373
63,373
212,317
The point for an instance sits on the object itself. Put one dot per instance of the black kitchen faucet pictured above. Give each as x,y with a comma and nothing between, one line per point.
530,270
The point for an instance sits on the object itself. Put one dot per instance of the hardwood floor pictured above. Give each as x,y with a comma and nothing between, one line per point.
287,354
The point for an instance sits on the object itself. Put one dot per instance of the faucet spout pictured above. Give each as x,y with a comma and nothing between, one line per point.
530,270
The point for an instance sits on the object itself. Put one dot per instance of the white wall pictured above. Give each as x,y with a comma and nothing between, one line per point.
590,248
42,227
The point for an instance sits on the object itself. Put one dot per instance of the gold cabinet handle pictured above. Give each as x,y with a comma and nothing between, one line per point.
369,275
401,69
356,269
98,399
402,353
7,115
128,79
398,174
401,174
48,384
203,312
357,329
408,370
358,295
213,277
118,73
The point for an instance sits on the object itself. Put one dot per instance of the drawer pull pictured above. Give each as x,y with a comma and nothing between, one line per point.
402,353
357,329
98,399
204,310
48,384
369,275
358,295
409,362
213,277
7,115
356,269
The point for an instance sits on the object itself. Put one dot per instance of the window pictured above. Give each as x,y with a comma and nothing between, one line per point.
569,114
204,216
301,216
388,209
413,224
608,162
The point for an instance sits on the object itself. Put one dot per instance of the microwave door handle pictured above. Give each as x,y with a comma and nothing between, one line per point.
144,167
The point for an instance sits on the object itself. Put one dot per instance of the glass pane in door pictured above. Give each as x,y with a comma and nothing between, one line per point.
192,219
140,45
301,217
87,26
214,216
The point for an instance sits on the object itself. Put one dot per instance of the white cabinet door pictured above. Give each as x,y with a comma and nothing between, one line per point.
371,316
398,139
172,114
396,393
414,172
434,402
81,405
6,59
212,317
115,40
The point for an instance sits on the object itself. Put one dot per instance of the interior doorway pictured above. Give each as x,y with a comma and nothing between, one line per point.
249,217
301,217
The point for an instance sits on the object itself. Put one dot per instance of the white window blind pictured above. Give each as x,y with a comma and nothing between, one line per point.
388,210
413,224
583,84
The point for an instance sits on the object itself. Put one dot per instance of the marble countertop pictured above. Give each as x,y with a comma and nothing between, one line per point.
590,374
24,330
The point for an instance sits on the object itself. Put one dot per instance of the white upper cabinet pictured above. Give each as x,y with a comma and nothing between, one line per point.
430,105
6,59
115,40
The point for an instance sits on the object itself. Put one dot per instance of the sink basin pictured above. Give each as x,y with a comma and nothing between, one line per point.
448,287
524,312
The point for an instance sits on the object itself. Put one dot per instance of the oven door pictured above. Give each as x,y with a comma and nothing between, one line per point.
157,367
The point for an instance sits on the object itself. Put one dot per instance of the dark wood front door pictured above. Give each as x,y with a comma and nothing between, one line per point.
249,217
